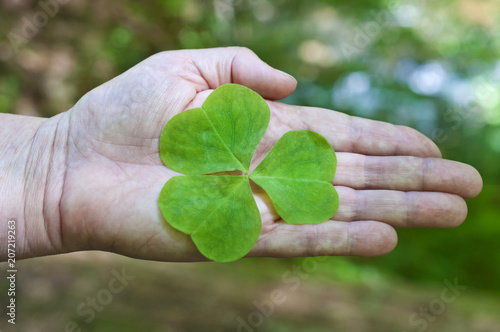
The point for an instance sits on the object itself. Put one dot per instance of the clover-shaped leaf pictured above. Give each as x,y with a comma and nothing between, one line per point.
219,211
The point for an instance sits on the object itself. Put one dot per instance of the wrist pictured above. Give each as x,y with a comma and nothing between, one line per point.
32,168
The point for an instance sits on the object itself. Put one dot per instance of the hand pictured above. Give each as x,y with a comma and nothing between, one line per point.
388,176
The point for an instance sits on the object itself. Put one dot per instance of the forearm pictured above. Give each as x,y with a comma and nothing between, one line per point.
32,170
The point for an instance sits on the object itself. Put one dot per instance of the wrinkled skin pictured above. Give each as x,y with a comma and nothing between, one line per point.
387,177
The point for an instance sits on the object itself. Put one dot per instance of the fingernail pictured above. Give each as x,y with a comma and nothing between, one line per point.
286,74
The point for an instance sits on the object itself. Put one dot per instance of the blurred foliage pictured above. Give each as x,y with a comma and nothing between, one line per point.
433,66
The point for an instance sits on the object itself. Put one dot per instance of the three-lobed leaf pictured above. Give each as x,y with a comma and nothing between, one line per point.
219,212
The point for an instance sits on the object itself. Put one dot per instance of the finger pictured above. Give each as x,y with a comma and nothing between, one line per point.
401,209
407,174
331,238
352,134
270,83
240,65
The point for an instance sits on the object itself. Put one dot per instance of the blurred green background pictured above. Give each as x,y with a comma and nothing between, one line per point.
434,66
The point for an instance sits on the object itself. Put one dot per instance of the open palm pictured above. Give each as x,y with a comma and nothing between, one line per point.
388,176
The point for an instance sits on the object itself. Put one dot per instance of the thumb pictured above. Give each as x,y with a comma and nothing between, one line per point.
240,65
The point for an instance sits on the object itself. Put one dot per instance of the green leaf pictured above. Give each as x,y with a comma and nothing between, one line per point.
219,212
297,175
220,136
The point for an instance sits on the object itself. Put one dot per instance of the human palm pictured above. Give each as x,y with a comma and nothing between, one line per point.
387,176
